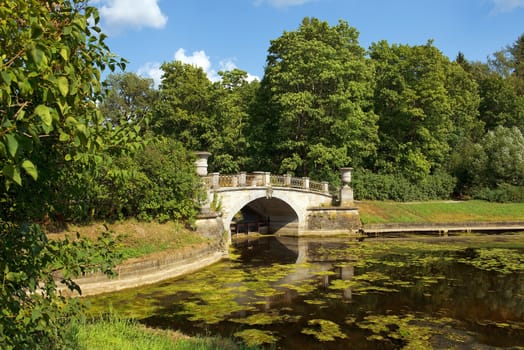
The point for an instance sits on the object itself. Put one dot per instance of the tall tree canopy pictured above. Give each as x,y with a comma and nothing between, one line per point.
315,108
417,108
185,109
233,97
129,99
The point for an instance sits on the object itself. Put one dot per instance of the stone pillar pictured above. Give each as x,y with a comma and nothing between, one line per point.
267,179
216,180
287,180
201,163
242,179
346,192
305,182
201,170
234,181
258,178
325,186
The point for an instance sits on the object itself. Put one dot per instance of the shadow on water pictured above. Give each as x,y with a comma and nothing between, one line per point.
339,294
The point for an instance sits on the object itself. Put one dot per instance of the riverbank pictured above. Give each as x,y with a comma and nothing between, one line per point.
153,252
442,212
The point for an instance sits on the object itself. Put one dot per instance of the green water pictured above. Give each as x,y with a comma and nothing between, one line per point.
341,294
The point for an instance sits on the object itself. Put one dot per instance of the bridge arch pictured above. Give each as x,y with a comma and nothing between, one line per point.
279,215
287,207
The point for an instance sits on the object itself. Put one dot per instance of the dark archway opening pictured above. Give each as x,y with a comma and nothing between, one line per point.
265,216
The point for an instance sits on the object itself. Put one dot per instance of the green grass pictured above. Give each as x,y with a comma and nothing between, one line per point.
440,211
116,333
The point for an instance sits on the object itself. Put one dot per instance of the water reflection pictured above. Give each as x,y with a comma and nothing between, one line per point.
336,294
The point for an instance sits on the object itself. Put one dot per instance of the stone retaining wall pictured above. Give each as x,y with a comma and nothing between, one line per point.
335,220
150,271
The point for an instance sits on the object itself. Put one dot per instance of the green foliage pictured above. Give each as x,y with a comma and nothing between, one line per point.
503,193
157,183
315,99
397,187
51,59
129,98
184,109
415,107
35,315
233,97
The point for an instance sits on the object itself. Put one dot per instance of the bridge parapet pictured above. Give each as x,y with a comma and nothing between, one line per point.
215,181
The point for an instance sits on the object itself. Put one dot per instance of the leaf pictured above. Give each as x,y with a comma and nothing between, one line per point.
43,112
63,137
12,145
7,77
12,172
63,85
30,169
64,52
39,58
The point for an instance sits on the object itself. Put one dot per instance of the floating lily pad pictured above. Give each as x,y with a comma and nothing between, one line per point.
325,330
255,337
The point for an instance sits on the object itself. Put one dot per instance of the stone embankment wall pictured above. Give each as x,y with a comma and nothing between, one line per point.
139,273
333,220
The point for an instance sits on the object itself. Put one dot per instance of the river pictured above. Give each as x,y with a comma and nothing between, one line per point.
325,293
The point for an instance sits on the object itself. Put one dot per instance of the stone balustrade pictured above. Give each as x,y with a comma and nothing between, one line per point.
263,179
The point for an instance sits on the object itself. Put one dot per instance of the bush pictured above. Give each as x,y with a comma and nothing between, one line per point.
372,186
503,193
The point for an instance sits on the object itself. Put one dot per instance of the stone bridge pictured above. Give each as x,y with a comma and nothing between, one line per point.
277,204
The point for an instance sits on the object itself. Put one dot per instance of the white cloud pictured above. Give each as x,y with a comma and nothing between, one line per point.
131,13
151,70
198,59
282,3
229,64
507,5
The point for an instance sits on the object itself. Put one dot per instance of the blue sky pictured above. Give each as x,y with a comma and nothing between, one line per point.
224,34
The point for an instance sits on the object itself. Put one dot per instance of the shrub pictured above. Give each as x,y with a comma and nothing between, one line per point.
503,193
372,186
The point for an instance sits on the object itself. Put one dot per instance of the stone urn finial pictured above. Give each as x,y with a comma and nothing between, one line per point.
346,192
201,162
345,175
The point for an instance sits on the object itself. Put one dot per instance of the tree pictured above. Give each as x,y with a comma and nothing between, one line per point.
52,54
315,111
185,109
415,107
129,98
500,158
233,97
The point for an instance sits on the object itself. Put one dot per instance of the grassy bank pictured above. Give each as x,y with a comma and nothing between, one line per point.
120,334
138,239
372,212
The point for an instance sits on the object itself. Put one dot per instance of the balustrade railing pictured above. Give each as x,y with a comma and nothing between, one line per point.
263,179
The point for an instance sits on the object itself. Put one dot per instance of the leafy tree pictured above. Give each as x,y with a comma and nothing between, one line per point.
51,60
184,110
315,113
50,70
129,98
500,158
500,105
233,98
416,106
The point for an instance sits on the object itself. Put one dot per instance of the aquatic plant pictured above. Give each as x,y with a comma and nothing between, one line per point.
254,337
325,330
